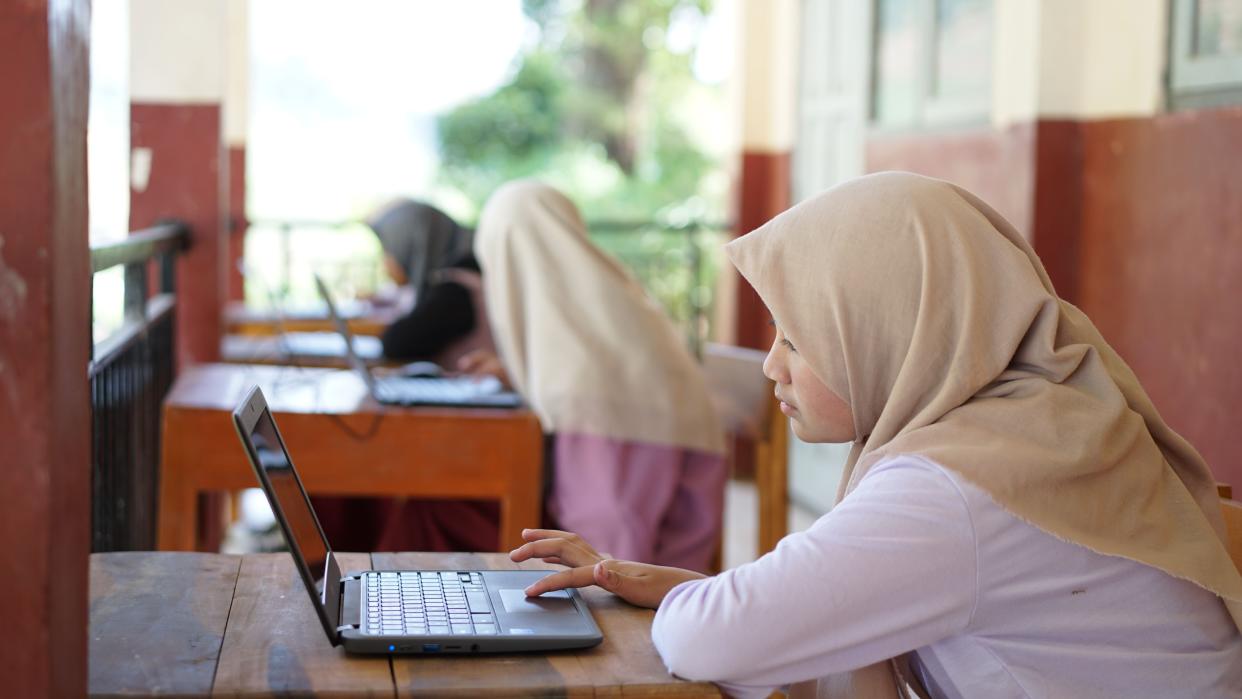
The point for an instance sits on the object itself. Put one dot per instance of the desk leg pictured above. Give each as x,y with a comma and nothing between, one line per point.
522,508
516,514
178,514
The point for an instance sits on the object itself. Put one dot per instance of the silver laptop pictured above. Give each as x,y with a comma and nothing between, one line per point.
405,611
460,391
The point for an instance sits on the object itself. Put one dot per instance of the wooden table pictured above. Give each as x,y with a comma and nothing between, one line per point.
197,624
362,319
344,443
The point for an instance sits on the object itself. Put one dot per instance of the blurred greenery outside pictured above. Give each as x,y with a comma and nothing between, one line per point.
600,106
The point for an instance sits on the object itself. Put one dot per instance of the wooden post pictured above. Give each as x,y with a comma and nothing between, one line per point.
44,346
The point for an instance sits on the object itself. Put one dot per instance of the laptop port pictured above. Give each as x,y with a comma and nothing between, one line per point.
431,647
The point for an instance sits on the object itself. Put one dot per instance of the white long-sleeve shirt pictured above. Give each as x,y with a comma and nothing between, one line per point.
916,558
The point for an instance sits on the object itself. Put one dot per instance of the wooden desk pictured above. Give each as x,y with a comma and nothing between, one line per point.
196,624
361,318
344,443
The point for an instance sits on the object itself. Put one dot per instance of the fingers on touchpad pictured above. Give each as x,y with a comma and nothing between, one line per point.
516,601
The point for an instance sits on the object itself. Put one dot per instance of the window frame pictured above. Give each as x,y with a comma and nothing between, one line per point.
1193,81
931,110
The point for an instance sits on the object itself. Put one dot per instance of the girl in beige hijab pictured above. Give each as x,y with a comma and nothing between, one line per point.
1015,519
637,461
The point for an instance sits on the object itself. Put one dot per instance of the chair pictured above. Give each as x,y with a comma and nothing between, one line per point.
747,406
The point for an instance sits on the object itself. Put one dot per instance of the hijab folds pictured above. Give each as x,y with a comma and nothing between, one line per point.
420,237
581,339
933,318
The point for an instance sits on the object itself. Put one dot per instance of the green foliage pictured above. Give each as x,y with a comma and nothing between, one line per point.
597,107
603,109
519,122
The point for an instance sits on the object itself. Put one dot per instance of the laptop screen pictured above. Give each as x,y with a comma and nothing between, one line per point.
290,501
342,327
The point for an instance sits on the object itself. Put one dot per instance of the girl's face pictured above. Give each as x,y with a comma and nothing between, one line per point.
815,413
394,270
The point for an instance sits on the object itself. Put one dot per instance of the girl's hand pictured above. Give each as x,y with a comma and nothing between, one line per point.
482,362
640,584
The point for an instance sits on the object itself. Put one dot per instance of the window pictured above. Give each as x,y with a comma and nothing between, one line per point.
1205,65
933,62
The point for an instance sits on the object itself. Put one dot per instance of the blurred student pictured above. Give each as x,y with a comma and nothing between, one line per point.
1015,518
636,450
430,253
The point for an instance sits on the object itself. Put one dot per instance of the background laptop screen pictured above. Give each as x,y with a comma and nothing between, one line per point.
343,328
303,528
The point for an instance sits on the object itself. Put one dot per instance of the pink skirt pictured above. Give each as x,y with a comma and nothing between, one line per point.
630,500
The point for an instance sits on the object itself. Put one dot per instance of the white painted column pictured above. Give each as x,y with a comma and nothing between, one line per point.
1069,59
178,167
768,72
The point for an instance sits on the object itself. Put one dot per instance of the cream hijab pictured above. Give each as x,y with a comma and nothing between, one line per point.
933,317
579,337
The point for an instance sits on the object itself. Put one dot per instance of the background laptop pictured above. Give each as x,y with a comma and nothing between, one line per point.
462,391
405,611
328,345
315,345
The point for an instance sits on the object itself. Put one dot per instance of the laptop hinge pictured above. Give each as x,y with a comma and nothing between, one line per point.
351,602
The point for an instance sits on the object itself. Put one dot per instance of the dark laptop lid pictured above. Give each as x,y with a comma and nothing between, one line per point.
342,327
312,555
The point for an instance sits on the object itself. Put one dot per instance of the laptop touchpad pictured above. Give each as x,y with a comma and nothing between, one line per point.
516,601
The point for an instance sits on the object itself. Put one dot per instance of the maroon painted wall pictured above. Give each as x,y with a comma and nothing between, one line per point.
1161,266
1139,222
1030,173
44,347
996,165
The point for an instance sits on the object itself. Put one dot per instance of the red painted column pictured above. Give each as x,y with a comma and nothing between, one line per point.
177,81
44,347
763,192
237,222
768,92
188,176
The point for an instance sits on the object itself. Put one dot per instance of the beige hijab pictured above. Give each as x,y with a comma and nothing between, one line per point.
933,317
580,338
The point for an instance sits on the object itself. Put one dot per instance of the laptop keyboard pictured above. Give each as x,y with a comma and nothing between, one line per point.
430,603
437,389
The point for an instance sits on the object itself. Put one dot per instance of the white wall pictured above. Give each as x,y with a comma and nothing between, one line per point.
768,68
237,76
177,50
1078,59
107,134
